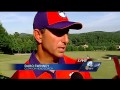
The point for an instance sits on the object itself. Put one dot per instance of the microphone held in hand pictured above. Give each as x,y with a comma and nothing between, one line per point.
76,75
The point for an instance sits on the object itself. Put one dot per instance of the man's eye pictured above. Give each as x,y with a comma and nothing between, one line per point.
59,32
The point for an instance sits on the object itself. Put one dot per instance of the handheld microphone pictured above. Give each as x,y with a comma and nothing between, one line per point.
76,75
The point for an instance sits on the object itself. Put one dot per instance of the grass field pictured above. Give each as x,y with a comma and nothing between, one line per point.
106,71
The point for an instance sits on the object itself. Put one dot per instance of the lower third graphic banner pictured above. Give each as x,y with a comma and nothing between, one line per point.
87,66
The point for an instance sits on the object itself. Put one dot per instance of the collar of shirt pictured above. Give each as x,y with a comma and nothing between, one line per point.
33,60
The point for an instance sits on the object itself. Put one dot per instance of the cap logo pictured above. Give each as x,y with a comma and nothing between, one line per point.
62,14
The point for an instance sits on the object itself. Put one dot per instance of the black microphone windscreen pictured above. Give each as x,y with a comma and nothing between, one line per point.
76,75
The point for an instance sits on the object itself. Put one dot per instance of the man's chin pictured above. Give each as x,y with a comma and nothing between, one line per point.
60,55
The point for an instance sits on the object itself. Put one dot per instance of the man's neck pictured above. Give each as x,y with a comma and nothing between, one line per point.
45,58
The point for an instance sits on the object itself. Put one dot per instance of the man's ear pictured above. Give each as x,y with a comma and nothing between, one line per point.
38,35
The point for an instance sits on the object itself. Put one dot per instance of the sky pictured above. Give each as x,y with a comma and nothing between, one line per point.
22,22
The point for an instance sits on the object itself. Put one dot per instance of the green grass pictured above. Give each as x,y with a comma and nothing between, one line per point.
7,60
106,71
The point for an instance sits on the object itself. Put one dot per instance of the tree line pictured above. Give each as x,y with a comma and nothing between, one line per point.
97,40
25,43
16,43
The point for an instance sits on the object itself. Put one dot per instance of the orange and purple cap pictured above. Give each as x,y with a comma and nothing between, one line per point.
54,20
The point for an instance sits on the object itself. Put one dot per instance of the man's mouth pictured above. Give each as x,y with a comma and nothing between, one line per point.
61,49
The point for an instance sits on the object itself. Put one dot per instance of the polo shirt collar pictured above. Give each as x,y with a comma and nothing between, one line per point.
33,60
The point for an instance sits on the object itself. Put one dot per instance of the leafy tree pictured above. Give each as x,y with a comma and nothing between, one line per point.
4,39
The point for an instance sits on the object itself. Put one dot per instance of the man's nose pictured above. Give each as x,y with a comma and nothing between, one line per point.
65,38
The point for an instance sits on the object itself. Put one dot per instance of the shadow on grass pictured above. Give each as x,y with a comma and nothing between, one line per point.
111,56
4,77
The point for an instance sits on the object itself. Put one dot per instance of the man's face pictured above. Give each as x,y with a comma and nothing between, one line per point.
54,42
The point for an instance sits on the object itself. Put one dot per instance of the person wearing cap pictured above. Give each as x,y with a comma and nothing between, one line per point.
51,34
